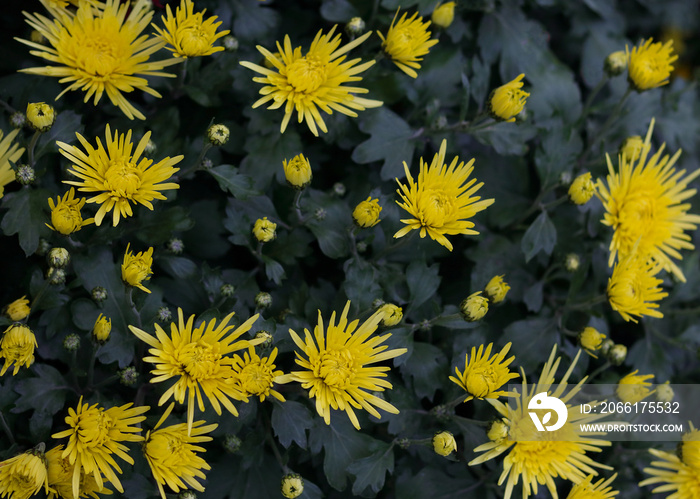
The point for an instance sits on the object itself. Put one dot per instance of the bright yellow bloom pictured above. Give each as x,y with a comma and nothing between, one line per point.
442,200
508,100
591,340
24,475
538,457
366,213
102,329
392,314
118,176
137,268
187,33
18,309
60,4
338,371
255,376
484,374
689,450
17,347
444,443
650,64
313,81
632,148
497,289
65,213
644,204
292,485
172,454
474,307
41,116
589,490
264,230
61,478
407,42
100,51
633,388
9,152
95,435
218,134
582,189
297,171
443,14
672,475
199,358
633,288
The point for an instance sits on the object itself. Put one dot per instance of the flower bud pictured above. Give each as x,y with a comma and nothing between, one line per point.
633,388
56,276
164,315
292,485
71,342
230,43
582,189
187,494
361,246
206,164
392,314
572,262
497,289
320,214
508,100
297,171
497,431
18,309
591,340
25,175
565,178
616,63
263,300
18,119
264,230
606,346
443,15
403,443
632,147
474,307
99,294
175,246
617,354
355,26
664,393
150,148
58,257
377,302
218,134
444,443
227,290
128,376
102,329
267,339
366,213
17,347
43,248
339,189
41,116
232,443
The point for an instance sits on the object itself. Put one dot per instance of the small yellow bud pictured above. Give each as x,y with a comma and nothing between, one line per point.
58,257
634,388
137,268
292,485
664,393
444,443
508,100
591,340
617,354
297,172
102,329
632,148
497,431
582,189
264,230
480,382
572,262
218,134
263,300
392,314
616,63
18,309
41,116
366,213
474,307
443,15
65,213
497,289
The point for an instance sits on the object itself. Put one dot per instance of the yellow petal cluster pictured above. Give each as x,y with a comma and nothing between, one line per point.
66,215
407,41
366,213
589,490
41,116
443,14
61,473
17,347
591,340
497,289
264,230
444,443
9,153
102,329
136,268
254,376
634,388
508,100
18,309
484,374
187,33
392,314
297,171
650,64
634,288
582,189
474,307
23,476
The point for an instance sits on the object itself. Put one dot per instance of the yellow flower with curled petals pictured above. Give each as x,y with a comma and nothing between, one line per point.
255,376
671,474
24,475
9,153
187,33
508,100
633,288
297,171
392,314
589,490
17,347
65,214
485,374
136,268
634,388
61,478
366,213
444,443
582,189
18,309
407,41
650,64
497,289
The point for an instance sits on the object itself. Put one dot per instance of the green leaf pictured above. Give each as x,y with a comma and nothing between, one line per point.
370,472
157,226
557,153
25,216
540,236
533,297
273,269
436,484
423,282
45,393
427,366
266,154
65,127
253,21
177,266
556,95
338,11
361,284
332,231
240,186
530,338
290,420
506,138
390,142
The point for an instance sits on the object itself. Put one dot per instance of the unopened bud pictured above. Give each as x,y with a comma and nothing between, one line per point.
267,339
41,116
339,189
206,164
572,262
58,257
71,342
128,376
56,276
150,148
164,315
25,175
355,27
218,134
664,393
474,307
230,43
18,119
43,247
175,246
227,290
444,443
187,494
617,354
361,246
232,443
292,485
616,63
263,300
320,214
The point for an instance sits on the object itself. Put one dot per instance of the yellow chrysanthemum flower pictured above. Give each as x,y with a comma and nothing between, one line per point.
41,116
337,368
443,14
61,4
95,434
407,41
392,314
187,33
582,189
689,449
672,475
538,457
484,374
65,213
118,176
442,199
24,475
591,340
292,485
102,329
100,51
313,81
18,309
633,288
264,230
474,307
9,152
644,204
200,360
634,388
17,347
589,490
444,443
650,64
255,376
137,268
297,171
366,213
172,454
508,100
632,148
61,478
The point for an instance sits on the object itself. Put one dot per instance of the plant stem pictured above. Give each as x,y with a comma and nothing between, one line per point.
604,129
591,97
91,366
598,371
393,247
30,148
588,303
197,164
297,205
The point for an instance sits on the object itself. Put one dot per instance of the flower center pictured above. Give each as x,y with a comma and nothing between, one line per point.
123,178
194,40
101,48
93,429
336,368
307,74
436,207
482,381
202,361
256,379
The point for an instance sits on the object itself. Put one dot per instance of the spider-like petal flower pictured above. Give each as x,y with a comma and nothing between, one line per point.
589,490
633,288
136,268
187,33
118,174
65,213
17,347
538,457
442,200
199,358
644,201
508,100
312,82
9,152
24,475
407,41
100,50
485,374
671,474
172,454
650,64
337,368
255,375
61,478
95,435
